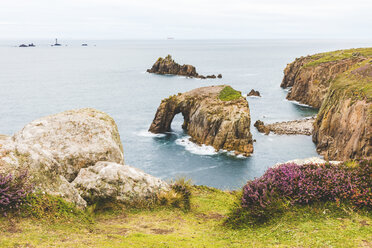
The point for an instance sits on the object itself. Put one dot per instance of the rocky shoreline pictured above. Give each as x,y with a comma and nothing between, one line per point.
167,65
300,127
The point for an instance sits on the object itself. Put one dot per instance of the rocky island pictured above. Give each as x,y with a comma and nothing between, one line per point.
302,127
215,115
168,66
340,84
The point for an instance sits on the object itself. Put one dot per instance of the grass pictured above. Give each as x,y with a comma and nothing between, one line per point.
338,55
202,226
229,94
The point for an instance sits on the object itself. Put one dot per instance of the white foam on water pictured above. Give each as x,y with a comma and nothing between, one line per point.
297,103
195,148
145,133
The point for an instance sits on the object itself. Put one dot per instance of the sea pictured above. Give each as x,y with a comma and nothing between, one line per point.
110,75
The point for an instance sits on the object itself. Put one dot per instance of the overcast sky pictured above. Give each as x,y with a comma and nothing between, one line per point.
190,19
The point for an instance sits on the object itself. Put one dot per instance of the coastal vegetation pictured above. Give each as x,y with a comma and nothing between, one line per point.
213,218
229,94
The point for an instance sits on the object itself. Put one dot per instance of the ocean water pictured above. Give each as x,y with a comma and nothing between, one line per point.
110,76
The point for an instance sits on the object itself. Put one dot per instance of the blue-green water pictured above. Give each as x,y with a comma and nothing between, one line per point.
110,76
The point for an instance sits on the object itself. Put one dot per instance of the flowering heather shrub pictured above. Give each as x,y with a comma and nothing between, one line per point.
309,184
13,191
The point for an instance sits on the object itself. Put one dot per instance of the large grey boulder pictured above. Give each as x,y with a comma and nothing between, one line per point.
53,149
117,182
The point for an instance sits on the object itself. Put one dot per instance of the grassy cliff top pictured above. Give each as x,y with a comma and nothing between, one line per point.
229,94
202,226
356,82
319,58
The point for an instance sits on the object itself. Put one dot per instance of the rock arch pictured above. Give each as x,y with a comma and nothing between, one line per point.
208,120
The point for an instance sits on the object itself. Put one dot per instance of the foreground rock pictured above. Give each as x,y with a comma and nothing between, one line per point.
168,66
339,83
254,93
117,182
54,149
223,124
302,127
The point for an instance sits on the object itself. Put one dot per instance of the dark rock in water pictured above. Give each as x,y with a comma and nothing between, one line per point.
219,76
84,44
208,119
254,93
211,76
260,125
168,66
23,45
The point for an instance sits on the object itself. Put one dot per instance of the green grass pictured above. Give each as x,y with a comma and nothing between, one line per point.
229,94
338,55
202,226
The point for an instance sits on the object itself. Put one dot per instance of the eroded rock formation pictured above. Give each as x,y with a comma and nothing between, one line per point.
208,119
301,127
168,66
254,93
339,83
54,150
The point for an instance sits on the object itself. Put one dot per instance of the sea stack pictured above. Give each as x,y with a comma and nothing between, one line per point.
215,115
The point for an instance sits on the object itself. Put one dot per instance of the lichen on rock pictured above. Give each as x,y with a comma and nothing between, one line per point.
208,119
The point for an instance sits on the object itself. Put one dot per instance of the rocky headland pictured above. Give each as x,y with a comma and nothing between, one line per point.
301,127
168,66
216,115
340,84
77,155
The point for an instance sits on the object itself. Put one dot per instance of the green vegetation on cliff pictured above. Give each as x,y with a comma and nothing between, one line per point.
229,94
201,226
338,55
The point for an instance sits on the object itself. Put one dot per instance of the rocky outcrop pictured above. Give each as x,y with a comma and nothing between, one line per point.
310,84
208,119
301,127
168,66
343,128
312,160
254,93
339,83
115,182
54,149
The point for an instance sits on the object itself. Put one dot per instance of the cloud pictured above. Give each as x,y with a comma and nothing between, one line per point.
149,19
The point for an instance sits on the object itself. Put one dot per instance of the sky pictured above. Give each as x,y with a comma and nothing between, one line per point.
190,19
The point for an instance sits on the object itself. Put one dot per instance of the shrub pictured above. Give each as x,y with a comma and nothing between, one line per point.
229,94
179,196
307,184
13,191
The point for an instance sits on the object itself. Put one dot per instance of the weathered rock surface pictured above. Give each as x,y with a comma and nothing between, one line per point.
112,181
208,120
339,83
302,127
254,93
312,160
54,149
168,66
310,84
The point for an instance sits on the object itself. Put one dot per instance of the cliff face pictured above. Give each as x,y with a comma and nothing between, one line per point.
340,84
310,83
343,128
223,124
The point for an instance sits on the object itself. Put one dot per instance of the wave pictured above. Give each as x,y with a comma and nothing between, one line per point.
298,103
145,133
195,148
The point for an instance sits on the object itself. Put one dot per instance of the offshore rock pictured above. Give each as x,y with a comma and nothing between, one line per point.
208,119
168,66
117,182
300,127
254,93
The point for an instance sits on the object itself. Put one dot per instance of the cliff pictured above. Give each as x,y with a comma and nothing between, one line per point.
216,115
310,79
339,83
168,66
